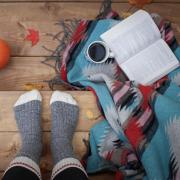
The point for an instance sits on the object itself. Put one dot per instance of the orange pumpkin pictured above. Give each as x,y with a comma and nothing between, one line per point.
4,53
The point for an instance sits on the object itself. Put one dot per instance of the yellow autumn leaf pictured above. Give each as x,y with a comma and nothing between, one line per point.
89,115
30,86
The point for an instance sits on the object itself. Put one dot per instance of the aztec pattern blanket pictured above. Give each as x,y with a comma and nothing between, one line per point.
139,136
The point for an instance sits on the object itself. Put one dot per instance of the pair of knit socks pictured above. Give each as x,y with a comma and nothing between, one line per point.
64,113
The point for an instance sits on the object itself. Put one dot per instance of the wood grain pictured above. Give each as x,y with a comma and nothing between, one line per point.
25,70
120,1
54,11
16,18
88,116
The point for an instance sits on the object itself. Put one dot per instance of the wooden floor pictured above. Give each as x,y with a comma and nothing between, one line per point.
25,67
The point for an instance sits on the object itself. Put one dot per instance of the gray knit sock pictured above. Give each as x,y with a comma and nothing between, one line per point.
28,115
64,112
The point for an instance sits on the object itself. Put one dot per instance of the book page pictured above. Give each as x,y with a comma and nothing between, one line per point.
131,35
151,64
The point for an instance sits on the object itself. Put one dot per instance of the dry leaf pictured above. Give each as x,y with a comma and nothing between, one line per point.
33,36
89,115
139,3
30,86
125,14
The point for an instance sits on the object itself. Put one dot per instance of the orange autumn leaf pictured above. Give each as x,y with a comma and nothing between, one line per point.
139,3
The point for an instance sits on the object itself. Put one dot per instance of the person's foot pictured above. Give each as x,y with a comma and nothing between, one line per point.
28,118
64,112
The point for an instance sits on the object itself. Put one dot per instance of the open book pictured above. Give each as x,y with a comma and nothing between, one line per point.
139,50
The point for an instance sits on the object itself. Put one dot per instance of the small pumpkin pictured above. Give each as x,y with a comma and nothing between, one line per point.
4,53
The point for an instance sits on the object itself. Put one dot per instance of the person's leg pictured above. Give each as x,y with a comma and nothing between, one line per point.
65,111
28,115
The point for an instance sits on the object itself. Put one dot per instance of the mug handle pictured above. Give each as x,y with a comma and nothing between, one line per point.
111,54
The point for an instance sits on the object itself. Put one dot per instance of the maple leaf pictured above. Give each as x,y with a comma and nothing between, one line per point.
139,3
33,36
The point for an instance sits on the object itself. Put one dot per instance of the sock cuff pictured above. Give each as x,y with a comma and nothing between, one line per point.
65,164
27,163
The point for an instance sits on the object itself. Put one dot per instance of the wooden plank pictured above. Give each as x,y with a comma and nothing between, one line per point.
89,113
119,1
22,71
54,11
10,144
16,18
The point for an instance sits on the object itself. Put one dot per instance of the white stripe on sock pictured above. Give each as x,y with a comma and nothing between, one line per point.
29,96
63,97
65,164
27,163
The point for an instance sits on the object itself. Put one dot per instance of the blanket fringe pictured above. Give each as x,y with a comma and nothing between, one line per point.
58,81
68,27
105,9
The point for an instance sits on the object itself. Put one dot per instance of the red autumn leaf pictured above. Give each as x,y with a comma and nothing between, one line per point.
33,36
139,3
